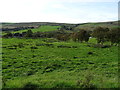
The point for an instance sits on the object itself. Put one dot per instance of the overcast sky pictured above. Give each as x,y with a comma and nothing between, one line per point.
63,11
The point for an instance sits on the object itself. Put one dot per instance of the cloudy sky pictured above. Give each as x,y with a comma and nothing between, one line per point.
63,11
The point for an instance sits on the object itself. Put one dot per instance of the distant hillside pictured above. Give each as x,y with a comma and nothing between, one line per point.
20,26
33,25
91,26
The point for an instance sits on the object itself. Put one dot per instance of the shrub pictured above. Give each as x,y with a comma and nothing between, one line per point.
8,35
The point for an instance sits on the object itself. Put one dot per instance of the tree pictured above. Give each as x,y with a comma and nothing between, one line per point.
29,33
114,35
81,36
100,33
87,35
63,37
74,36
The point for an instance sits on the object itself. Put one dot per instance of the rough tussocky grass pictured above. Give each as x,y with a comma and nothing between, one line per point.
38,63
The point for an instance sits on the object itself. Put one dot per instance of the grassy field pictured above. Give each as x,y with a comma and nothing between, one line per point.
49,63
43,28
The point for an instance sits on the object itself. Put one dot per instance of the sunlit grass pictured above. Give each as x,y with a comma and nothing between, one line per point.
41,29
50,66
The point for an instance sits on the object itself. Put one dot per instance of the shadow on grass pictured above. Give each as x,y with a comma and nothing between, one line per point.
31,86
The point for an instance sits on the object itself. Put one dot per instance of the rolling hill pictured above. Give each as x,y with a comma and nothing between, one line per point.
88,26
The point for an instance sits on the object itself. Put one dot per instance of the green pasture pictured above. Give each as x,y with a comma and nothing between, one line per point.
49,63
43,28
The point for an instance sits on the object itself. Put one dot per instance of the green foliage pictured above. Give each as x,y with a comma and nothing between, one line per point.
8,35
114,35
81,36
100,33
29,33
66,27
63,37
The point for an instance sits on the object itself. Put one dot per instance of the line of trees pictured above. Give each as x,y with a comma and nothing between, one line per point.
105,34
101,34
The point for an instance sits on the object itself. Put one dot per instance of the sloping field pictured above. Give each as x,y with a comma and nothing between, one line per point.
41,29
49,63
91,26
